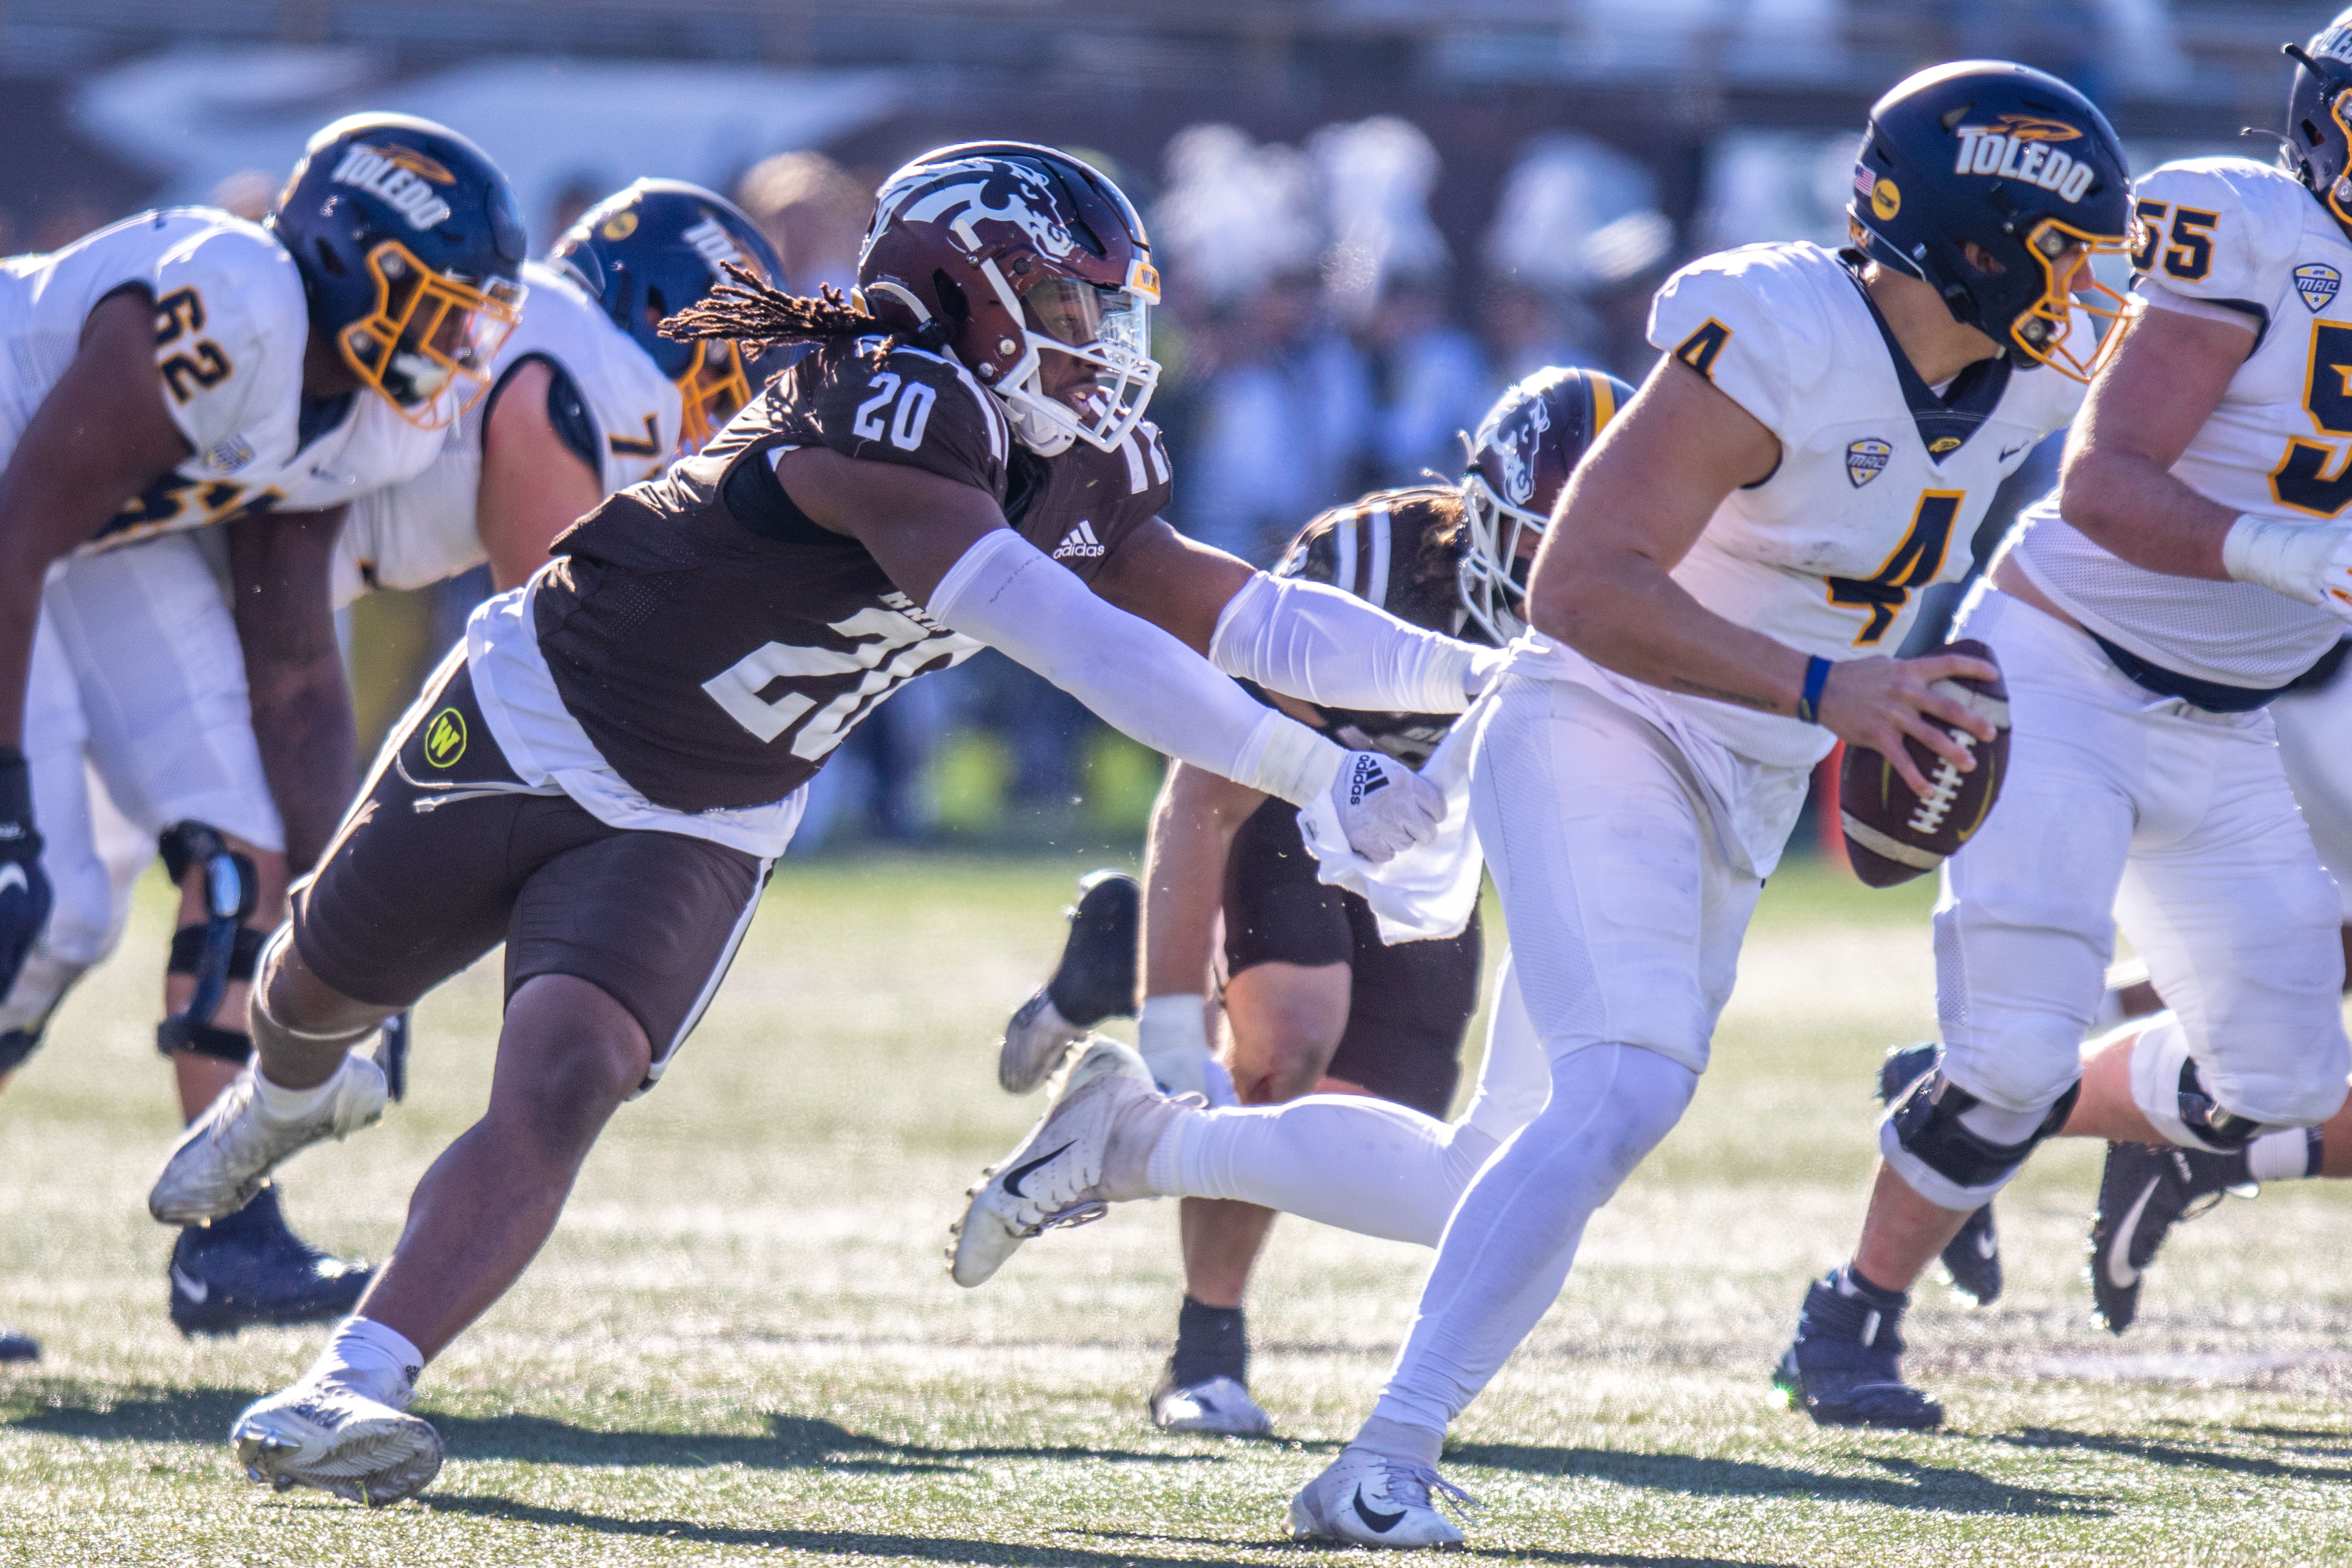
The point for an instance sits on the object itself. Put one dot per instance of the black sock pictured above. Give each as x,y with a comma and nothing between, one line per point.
1211,1342
1878,1296
257,1220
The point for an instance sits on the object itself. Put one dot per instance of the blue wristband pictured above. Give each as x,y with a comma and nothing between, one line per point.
1817,675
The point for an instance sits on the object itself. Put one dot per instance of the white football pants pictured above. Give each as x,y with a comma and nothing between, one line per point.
137,691
2125,807
2315,738
1625,923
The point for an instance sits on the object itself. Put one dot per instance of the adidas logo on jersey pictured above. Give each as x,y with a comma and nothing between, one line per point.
402,178
1079,543
2317,283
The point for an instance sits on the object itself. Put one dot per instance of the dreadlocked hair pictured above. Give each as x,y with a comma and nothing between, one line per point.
749,312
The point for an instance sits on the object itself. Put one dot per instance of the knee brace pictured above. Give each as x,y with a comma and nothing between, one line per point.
221,949
1955,1150
2169,1094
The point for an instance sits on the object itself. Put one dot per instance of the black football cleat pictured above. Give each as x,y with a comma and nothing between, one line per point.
2144,1191
1844,1367
14,1347
1972,1259
1095,980
249,1269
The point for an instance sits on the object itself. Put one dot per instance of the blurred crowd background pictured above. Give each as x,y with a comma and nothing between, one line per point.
1371,215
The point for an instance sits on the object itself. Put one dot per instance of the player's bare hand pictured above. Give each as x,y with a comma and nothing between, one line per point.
1875,703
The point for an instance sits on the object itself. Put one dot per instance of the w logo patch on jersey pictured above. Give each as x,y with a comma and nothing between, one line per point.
2317,283
1866,459
1079,543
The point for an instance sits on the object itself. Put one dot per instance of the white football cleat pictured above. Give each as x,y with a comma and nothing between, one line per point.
1105,1119
1217,1405
1034,1043
323,1434
226,1153
1370,1500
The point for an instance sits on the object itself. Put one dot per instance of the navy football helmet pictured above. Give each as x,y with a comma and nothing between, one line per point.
654,249
409,244
1526,446
2317,147
2017,164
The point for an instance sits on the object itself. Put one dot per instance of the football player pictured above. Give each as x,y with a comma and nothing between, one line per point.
1314,999
2184,573
586,396
602,775
1707,612
176,370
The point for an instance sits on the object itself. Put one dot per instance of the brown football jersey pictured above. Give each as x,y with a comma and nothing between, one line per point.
1401,549
716,645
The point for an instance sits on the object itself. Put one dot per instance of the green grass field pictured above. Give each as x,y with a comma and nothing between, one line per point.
741,1347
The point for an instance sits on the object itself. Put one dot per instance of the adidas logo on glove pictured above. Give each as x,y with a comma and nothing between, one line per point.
1369,779
1079,543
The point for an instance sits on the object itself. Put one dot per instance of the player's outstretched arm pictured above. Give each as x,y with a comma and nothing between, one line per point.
2149,403
279,565
1636,507
945,544
1192,827
100,437
533,485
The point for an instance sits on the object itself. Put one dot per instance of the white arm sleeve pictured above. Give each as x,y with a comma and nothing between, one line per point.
1006,593
1312,641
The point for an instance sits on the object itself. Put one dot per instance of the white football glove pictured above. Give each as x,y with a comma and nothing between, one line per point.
1172,1033
1385,807
2309,562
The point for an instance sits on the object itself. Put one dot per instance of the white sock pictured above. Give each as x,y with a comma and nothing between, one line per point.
1369,1165
1507,1250
280,1103
2290,1155
379,1361
1395,1440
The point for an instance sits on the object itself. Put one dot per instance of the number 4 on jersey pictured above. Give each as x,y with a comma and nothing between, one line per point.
1914,564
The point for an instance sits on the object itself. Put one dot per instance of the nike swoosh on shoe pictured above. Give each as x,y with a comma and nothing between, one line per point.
1013,1176
1380,1522
2120,1271
196,1289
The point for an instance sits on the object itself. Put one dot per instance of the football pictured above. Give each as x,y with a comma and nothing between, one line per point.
1893,834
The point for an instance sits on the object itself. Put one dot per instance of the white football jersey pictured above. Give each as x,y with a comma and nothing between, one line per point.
1881,485
231,325
422,531
2240,236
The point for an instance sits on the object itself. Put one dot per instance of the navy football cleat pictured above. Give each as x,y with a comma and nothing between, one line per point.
14,1347
1844,1367
2144,1191
249,1269
1095,980
1972,1258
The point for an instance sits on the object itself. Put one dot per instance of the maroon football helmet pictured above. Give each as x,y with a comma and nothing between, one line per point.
1526,446
1017,251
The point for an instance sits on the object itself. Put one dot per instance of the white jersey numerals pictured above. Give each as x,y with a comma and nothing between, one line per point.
913,411
892,647
1914,563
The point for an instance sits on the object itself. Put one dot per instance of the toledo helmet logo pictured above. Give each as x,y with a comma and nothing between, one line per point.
2317,283
1886,199
400,177
711,242
2021,147
620,226
1866,459
444,737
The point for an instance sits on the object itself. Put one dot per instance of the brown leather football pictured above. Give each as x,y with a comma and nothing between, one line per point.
1893,834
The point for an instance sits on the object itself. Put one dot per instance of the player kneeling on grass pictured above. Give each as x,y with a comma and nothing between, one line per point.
2144,614
1314,999
603,775
1705,612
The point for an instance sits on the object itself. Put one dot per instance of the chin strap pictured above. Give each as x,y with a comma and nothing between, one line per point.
223,948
